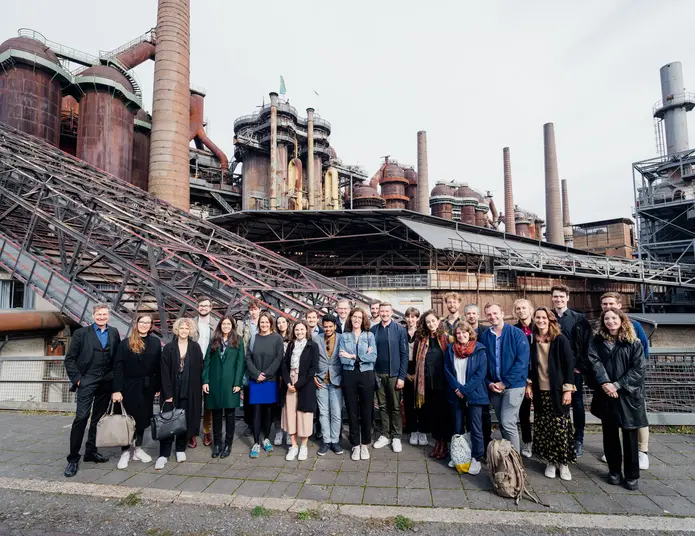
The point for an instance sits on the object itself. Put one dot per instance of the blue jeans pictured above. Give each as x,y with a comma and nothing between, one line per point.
473,423
330,402
507,407
578,412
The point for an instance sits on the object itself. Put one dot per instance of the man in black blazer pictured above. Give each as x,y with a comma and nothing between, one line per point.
89,364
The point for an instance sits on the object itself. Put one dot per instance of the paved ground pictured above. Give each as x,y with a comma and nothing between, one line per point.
34,447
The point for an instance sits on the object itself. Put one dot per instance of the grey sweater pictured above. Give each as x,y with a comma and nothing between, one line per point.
265,357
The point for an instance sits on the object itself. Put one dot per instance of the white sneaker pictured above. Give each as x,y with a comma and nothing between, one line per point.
422,439
643,458
527,450
303,453
451,464
565,473
364,452
292,454
141,455
278,439
396,445
382,442
603,459
160,463
123,461
475,467
414,438
180,457
355,456
550,470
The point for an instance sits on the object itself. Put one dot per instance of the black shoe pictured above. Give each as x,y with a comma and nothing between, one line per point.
336,448
631,485
216,449
579,448
226,451
324,448
318,436
614,479
71,469
96,457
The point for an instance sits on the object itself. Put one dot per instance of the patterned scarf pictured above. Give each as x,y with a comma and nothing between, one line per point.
462,351
422,349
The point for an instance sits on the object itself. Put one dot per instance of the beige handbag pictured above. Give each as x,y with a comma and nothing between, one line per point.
115,430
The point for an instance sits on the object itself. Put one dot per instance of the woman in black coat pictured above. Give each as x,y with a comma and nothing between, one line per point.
298,370
550,385
136,381
182,367
616,357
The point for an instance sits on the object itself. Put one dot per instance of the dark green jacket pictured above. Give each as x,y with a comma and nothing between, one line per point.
222,375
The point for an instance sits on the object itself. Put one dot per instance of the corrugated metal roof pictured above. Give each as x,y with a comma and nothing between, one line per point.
665,319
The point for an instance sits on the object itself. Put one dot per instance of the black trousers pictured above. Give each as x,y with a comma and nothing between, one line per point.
262,419
578,413
139,436
614,455
181,439
525,420
229,424
92,397
414,419
436,411
248,411
487,426
358,391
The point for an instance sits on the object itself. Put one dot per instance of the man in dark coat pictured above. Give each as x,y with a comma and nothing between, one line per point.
89,365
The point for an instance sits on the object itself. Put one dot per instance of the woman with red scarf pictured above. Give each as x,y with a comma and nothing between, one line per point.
430,385
465,368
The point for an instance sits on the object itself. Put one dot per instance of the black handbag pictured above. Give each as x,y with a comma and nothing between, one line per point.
168,424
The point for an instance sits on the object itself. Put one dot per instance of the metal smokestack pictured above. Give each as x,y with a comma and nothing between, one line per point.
310,158
169,160
509,225
553,210
673,108
273,151
566,222
423,188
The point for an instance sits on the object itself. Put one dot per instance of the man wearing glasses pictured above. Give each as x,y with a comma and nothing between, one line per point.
206,327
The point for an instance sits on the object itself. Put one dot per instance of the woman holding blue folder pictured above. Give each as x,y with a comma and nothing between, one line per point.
262,364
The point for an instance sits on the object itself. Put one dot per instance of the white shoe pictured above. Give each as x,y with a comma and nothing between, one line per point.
278,439
364,452
288,440
382,442
422,439
550,470
414,438
527,450
643,458
396,446
565,473
292,454
141,455
180,457
475,467
451,464
123,461
355,456
303,453
160,463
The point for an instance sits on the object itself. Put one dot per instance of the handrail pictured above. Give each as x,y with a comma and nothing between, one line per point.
676,99
149,36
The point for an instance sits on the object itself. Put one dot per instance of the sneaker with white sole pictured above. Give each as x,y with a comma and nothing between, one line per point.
604,460
643,458
123,461
255,450
396,445
550,470
303,453
141,455
288,440
565,472
452,464
422,439
160,463
278,439
414,438
475,467
527,450
180,457
382,442
364,452
292,454
267,446
355,456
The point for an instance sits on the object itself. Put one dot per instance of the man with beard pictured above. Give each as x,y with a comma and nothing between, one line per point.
452,302
523,309
206,328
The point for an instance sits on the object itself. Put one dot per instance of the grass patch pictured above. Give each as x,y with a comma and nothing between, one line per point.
404,523
132,499
158,532
307,515
260,511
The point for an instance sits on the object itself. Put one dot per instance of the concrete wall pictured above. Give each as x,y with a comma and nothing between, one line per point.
402,299
673,337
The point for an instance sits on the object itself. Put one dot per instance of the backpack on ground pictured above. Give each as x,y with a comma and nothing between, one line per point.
507,471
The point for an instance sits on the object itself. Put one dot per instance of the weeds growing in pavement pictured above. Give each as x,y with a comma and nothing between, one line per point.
404,523
260,511
132,499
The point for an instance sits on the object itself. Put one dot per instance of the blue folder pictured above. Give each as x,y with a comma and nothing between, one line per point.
263,393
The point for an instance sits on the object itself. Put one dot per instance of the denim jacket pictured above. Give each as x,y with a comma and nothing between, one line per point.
366,342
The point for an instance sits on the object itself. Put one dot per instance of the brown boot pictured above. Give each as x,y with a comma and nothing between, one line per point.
444,451
436,449
207,439
193,443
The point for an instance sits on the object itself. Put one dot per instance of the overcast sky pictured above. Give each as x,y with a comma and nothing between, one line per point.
477,76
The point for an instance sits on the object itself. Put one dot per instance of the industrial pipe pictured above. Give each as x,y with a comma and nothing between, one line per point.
330,186
273,150
495,217
509,226
294,179
553,210
376,179
137,55
310,157
423,189
21,321
197,132
566,223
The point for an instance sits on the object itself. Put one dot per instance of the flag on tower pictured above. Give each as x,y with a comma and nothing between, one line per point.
283,89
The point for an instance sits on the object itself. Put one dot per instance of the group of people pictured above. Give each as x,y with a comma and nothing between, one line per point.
432,375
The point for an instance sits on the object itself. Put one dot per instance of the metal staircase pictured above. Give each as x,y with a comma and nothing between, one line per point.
78,236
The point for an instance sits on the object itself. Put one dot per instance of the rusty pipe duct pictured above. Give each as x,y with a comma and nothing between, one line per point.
310,158
330,186
509,226
376,179
494,215
294,179
169,156
24,321
566,222
137,55
423,189
197,132
273,151
553,209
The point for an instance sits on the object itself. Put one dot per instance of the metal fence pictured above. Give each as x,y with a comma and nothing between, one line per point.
40,383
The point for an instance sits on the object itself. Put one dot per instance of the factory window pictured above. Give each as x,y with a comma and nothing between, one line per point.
15,295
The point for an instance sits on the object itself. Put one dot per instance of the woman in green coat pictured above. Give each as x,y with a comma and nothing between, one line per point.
223,371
